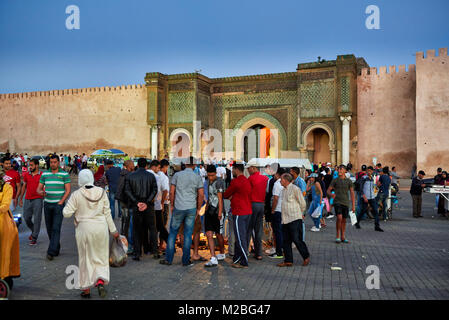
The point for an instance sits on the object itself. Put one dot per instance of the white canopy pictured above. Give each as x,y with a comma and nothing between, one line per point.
284,163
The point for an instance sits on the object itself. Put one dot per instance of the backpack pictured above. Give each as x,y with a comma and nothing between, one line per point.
358,184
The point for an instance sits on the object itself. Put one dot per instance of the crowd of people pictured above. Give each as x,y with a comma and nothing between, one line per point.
156,210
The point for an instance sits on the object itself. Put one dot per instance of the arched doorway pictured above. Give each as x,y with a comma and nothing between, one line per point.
259,135
318,146
180,144
262,143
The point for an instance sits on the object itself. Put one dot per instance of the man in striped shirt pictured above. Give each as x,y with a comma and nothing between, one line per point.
57,188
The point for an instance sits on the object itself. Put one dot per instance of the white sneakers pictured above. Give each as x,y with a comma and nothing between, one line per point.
315,229
221,256
270,251
213,262
330,216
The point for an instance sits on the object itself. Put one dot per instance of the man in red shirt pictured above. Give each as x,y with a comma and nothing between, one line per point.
239,192
12,177
258,191
33,201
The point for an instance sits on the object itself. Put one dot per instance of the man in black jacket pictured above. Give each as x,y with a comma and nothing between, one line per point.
416,192
128,167
141,189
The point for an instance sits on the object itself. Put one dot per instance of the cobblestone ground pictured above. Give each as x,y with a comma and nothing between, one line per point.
412,255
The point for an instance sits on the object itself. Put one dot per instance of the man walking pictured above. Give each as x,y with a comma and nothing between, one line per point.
186,199
258,191
293,206
32,210
416,192
112,178
141,188
239,192
384,191
367,189
342,187
57,189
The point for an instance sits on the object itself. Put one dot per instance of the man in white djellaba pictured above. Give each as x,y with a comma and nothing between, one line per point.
93,222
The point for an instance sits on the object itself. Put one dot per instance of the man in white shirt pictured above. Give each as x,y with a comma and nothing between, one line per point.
221,172
203,172
84,161
154,169
276,209
161,215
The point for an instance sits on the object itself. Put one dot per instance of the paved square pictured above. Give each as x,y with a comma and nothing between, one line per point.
412,255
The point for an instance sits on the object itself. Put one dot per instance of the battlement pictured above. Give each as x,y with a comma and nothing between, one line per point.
442,52
65,92
382,71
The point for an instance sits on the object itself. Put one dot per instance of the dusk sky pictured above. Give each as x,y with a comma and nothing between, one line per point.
119,41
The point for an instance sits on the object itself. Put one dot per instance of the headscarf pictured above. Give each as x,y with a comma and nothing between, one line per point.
85,178
99,173
2,174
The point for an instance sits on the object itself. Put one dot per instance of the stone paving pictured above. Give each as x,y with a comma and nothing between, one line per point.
412,256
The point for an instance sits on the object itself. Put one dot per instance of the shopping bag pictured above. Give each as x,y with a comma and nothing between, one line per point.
353,217
328,206
317,212
118,252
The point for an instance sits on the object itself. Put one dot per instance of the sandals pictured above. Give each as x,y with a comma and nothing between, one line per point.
85,294
101,290
258,258
200,259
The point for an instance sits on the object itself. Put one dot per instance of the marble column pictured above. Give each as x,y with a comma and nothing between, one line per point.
346,123
154,141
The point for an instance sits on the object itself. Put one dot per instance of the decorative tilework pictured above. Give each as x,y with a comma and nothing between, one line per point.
318,99
345,94
180,107
256,99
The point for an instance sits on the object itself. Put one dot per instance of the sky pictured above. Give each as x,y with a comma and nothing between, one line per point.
119,41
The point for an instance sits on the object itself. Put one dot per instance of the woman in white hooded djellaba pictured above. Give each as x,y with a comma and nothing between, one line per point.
93,222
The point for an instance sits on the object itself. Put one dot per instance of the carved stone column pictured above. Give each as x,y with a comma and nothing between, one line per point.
346,124
154,140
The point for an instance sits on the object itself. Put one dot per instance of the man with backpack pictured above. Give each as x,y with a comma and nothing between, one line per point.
357,188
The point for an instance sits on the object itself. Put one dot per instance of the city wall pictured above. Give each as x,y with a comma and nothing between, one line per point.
386,117
432,110
76,120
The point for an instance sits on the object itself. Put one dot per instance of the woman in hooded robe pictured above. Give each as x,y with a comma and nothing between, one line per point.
93,222
9,236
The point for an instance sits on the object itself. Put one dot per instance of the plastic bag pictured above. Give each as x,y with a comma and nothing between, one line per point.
353,217
317,212
118,252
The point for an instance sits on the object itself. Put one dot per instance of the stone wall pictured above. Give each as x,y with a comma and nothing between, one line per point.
386,117
76,120
432,111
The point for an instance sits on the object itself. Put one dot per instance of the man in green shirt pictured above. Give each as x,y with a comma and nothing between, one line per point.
342,187
57,189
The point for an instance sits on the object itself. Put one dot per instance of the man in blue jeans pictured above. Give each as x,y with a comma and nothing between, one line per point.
384,191
186,199
57,188
112,178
